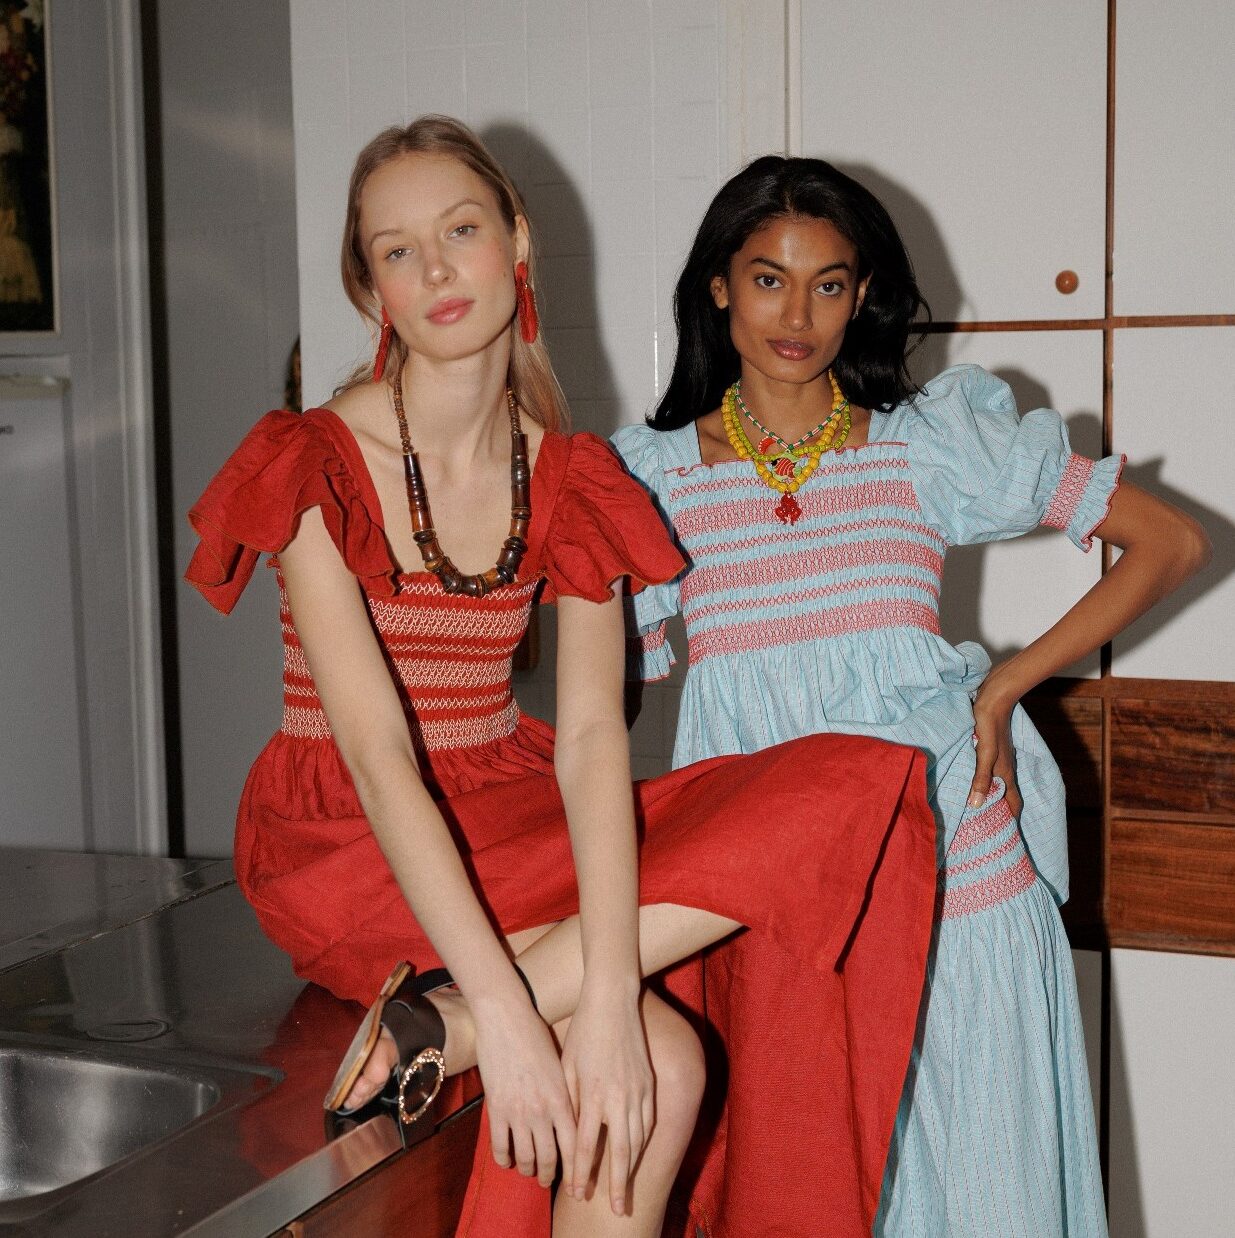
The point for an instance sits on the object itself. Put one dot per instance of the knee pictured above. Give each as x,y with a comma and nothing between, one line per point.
677,1061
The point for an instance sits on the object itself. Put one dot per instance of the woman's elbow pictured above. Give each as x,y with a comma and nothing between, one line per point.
1193,549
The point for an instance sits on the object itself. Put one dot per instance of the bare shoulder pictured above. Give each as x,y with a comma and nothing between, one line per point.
367,412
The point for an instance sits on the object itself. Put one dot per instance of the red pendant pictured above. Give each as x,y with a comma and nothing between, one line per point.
766,444
787,510
786,466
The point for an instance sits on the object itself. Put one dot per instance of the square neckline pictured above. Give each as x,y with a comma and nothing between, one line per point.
359,466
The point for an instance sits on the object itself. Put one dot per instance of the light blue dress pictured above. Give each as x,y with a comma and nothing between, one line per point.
832,624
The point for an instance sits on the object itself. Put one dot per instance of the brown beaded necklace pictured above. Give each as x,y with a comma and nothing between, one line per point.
423,532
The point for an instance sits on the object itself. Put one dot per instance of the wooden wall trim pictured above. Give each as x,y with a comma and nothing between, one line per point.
1112,322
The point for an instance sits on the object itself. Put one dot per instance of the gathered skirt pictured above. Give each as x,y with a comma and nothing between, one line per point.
823,847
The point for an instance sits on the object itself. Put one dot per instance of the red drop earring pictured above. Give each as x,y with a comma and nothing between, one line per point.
525,298
383,346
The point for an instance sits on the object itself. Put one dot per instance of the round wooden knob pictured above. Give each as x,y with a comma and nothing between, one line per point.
1066,282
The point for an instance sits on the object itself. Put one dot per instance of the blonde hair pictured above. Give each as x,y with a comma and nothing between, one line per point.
531,373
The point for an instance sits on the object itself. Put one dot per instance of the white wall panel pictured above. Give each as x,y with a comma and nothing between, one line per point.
41,791
984,131
1174,389
1006,594
1172,1080
1088,965
1174,157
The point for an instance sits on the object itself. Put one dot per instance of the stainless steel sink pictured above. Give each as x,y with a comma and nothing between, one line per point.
65,1115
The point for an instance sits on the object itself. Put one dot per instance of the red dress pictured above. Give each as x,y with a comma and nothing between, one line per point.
824,847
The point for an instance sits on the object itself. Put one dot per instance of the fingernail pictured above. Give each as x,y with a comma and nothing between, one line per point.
975,799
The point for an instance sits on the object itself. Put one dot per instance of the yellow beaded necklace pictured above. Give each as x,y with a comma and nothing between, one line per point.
783,474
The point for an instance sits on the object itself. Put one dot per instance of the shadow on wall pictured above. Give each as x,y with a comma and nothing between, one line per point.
1221,530
963,575
566,271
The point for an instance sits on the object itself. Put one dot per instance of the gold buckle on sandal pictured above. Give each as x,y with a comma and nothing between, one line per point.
426,1057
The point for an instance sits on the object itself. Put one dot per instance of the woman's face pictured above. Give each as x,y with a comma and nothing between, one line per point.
791,291
440,254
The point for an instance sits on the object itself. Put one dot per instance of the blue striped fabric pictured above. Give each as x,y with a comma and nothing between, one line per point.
831,624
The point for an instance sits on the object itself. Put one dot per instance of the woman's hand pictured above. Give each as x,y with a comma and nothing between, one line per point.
529,1106
996,757
605,1061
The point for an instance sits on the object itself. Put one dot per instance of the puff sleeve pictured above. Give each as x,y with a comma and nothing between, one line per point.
603,528
649,655
983,472
288,463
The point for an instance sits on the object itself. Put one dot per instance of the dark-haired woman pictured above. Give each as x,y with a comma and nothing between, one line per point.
815,491
407,810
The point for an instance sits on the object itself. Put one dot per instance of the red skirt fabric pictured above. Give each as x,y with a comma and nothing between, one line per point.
809,1011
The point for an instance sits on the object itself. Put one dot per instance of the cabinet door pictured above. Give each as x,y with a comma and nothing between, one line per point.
1174,158
1172,1077
1005,594
40,758
1173,391
983,131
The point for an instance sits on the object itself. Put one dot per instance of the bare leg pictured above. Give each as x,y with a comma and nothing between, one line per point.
677,1064
553,964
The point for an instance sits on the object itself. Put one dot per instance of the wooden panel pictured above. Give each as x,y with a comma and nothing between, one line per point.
415,1194
1172,886
1173,757
1072,728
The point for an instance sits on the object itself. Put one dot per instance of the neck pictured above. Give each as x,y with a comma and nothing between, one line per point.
791,409
456,410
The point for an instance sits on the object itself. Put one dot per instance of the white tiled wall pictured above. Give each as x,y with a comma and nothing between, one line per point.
607,114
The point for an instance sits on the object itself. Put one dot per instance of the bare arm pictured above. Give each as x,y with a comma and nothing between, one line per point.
593,771
1162,547
369,726
605,1055
524,1085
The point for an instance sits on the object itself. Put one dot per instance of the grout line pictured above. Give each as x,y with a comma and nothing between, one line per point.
793,77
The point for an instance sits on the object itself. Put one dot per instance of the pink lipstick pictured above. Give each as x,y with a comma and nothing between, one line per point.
450,310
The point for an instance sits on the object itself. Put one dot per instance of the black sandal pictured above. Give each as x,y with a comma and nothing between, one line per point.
419,1036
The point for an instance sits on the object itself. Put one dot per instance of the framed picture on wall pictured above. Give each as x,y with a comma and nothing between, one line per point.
27,228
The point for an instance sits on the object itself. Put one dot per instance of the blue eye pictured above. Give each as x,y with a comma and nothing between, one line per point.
463,230
393,255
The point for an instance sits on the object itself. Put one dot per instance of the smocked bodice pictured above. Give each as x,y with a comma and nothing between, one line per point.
449,655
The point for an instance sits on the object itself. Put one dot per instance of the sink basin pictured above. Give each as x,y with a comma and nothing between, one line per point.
65,1115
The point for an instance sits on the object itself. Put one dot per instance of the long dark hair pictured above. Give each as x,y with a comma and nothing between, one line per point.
870,366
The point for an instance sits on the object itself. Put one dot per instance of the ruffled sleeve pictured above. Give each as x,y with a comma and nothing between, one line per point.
983,472
288,463
649,655
603,528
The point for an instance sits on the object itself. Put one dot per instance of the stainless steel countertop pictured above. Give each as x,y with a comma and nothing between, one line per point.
50,899
193,986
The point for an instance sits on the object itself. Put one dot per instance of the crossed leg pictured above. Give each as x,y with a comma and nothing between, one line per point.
552,959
